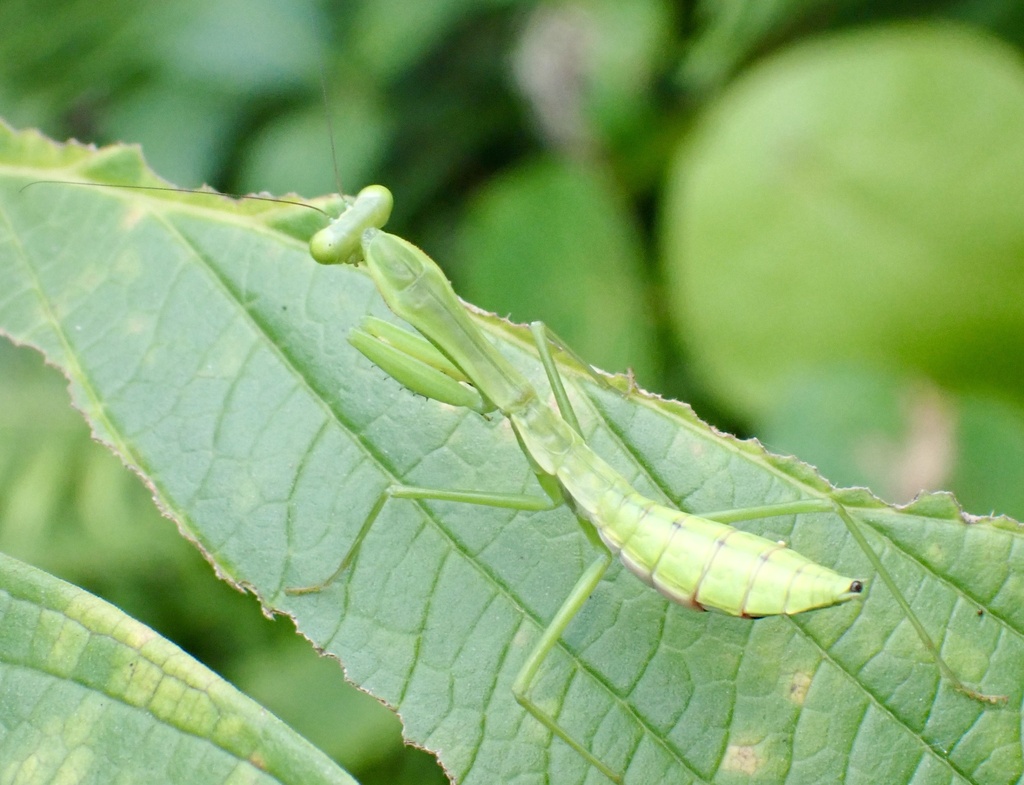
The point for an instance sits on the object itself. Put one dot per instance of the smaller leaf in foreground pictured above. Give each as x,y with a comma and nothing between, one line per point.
87,694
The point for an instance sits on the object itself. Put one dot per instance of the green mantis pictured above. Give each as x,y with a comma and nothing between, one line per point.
698,561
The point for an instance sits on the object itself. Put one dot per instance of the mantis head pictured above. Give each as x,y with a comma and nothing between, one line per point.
341,241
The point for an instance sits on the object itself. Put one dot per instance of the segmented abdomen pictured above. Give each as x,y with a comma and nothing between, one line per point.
710,565
691,560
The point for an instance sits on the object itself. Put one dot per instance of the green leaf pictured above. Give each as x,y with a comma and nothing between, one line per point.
856,200
89,695
206,347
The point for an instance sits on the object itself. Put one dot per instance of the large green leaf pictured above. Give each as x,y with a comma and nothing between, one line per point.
88,695
205,346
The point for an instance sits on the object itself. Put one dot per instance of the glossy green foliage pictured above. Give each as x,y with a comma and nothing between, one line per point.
209,350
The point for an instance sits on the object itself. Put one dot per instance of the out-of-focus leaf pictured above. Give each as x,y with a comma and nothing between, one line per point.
389,35
728,34
900,436
587,69
552,241
989,472
856,199
305,691
293,153
247,45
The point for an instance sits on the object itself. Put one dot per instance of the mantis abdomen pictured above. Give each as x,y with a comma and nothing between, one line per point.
691,560
712,566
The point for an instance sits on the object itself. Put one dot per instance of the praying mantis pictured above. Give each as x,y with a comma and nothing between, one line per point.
699,561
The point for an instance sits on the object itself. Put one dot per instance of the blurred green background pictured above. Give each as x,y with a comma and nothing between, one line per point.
805,217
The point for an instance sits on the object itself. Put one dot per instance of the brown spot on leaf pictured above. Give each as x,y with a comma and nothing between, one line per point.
742,759
799,684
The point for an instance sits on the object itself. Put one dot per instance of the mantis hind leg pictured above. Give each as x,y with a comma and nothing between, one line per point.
527,675
831,505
